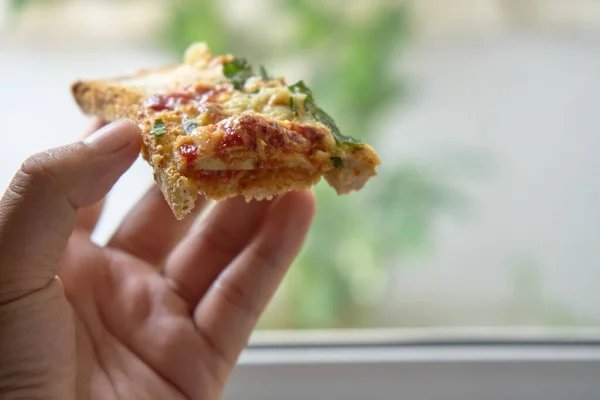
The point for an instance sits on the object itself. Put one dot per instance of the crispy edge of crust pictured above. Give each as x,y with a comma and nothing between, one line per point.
179,191
112,101
109,101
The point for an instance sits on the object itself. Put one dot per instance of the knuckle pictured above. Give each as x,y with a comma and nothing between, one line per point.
39,168
235,295
46,170
144,249
224,362
32,181
266,259
219,240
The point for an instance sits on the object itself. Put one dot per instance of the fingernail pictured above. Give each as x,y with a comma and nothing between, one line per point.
113,137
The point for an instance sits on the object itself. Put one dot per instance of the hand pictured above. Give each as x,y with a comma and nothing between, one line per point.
162,312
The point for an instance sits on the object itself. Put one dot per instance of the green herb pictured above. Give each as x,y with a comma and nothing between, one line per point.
293,106
321,116
337,162
264,74
189,125
159,128
300,87
237,71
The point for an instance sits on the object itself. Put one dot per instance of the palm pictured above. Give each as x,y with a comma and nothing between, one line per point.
150,320
128,348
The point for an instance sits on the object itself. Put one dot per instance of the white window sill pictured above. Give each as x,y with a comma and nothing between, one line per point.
508,366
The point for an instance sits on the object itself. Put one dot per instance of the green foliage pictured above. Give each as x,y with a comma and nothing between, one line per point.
533,304
194,20
341,274
18,5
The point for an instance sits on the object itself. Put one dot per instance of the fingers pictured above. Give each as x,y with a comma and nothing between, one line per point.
200,258
87,217
230,309
150,231
37,212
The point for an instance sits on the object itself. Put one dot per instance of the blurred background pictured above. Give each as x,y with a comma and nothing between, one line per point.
486,210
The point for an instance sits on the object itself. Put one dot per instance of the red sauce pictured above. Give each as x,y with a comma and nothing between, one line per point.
189,152
254,127
312,134
231,140
275,141
161,102
212,96
202,94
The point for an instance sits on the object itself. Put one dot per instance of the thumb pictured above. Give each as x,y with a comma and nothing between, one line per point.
38,209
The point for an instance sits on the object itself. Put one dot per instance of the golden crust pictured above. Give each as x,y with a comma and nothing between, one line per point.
105,100
241,142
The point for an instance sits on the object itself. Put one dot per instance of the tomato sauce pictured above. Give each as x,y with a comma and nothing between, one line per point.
189,152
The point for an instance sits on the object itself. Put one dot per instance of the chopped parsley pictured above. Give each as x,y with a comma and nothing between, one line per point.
189,125
320,115
237,71
159,128
293,106
337,162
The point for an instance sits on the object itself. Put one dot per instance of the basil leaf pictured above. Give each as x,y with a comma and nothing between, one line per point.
321,116
326,120
237,71
300,87
189,125
337,162
159,128
293,106
264,74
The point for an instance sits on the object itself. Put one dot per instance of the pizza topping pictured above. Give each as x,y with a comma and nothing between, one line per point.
161,102
337,162
210,113
320,115
159,128
231,139
188,152
211,96
189,125
313,134
237,71
293,106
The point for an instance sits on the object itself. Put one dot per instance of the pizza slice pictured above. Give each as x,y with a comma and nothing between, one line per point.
213,126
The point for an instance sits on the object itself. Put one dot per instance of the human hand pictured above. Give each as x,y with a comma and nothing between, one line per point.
160,312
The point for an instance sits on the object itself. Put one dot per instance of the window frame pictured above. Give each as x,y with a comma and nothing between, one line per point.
424,364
